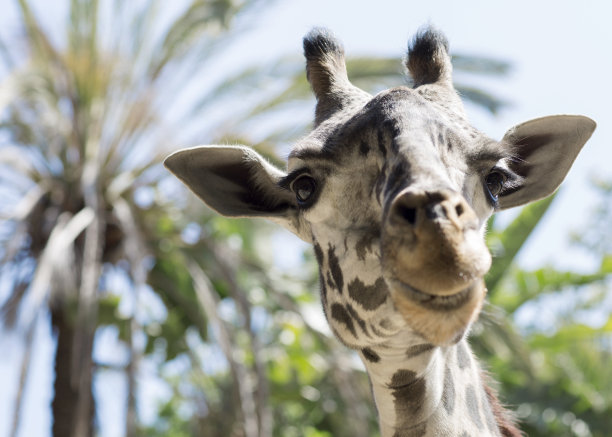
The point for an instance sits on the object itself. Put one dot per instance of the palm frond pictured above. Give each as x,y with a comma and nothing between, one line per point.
480,65
527,285
506,245
39,43
481,98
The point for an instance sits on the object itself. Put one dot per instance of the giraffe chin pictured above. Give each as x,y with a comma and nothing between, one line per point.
442,320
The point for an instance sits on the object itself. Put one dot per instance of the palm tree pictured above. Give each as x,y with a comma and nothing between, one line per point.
84,134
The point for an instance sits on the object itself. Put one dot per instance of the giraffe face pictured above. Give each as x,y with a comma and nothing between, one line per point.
397,190
392,190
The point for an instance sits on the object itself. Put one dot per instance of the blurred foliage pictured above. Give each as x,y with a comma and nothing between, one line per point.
241,347
554,372
90,233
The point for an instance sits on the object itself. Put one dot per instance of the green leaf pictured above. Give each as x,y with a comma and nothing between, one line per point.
570,334
107,310
526,285
606,265
506,245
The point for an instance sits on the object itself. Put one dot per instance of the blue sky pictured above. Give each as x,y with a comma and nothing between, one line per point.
561,57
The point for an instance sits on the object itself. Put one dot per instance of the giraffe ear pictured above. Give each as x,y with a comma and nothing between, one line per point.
236,181
544,149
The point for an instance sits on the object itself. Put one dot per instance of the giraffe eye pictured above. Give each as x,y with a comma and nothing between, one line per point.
303,187
495,181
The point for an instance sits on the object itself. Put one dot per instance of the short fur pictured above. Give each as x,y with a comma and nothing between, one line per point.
326,72
505,420
428,60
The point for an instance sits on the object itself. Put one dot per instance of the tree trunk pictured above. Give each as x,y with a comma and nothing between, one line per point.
66,397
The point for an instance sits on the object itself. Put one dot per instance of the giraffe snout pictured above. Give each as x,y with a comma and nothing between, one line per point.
428,211
431,242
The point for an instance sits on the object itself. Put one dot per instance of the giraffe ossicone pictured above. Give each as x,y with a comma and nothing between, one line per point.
394,192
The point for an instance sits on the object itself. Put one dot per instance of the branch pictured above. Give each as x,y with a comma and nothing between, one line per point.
239,296
209,302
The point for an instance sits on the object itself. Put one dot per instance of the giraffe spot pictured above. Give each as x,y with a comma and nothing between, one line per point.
370,355
323,291
463,356
471,402
458,337
364,245
369,297
376,332
381,143
364,149
334,267
396,179
418,349
380,182
341,315
394,144
419,431
355,316
318,253
488,413
394,128
408,390
386,324
402,378
432,138
448,392
330,281
441,139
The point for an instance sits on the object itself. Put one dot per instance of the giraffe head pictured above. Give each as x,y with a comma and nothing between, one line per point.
393,191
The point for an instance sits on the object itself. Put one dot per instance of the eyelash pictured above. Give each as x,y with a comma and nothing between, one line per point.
286,181
289,183
510,180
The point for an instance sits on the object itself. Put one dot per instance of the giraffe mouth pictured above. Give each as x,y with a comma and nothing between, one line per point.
436,302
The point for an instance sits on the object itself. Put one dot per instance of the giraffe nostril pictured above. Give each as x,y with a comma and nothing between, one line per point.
407,213
459,209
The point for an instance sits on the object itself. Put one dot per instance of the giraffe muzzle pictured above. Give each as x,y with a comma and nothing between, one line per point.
432,243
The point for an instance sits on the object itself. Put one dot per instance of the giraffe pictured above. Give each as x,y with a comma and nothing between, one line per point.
394,191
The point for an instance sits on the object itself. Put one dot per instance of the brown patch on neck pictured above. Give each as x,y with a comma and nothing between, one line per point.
504,418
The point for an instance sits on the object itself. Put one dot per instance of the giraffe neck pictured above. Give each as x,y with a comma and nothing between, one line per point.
419,389
423,390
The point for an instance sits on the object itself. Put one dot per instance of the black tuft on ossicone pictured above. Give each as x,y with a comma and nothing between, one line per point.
320,41
326,72
428,56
